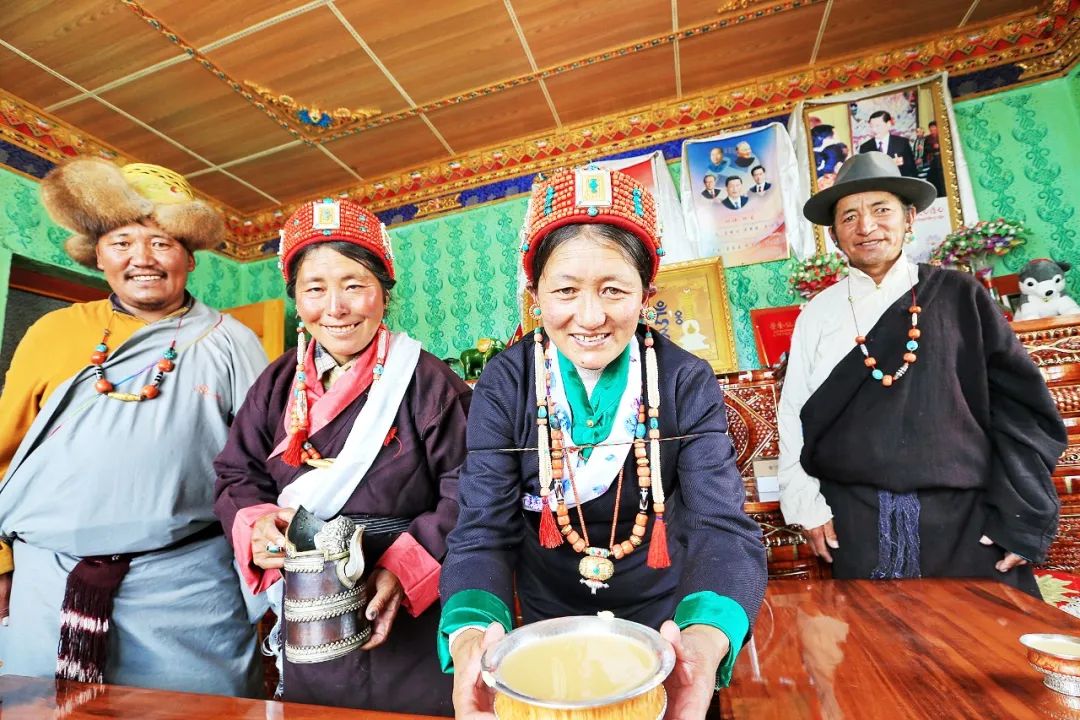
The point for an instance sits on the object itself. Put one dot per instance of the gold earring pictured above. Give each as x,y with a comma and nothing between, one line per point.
648,315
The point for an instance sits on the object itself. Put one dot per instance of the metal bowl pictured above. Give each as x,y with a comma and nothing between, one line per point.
583,626
1057,657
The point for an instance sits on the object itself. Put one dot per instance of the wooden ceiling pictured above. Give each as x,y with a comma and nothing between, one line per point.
165,81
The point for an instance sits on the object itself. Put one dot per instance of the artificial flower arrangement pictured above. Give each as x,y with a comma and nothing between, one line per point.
970,248
817,272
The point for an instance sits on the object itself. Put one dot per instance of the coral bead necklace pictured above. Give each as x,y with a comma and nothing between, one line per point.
914,333
597,566
150,391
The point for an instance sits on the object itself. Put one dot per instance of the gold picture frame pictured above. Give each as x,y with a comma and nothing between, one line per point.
692,310
927,107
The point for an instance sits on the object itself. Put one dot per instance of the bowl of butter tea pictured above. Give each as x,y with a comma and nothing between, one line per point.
579,668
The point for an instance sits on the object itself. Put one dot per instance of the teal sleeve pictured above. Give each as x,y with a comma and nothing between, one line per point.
469,607
722,613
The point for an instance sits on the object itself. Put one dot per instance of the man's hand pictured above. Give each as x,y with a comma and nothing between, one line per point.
267,533
1006,563
5,596
898,160
820,539
473,700
691,686
386,594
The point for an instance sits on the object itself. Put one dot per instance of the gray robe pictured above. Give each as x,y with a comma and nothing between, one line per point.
94,476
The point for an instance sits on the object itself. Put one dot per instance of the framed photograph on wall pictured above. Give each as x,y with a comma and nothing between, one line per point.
692,310
911,126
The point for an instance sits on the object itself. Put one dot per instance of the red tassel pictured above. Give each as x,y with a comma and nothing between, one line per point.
550,537
658,554
293,454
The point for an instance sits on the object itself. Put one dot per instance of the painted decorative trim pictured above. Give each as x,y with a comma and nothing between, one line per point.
24,126
310,118
434,206
1043,43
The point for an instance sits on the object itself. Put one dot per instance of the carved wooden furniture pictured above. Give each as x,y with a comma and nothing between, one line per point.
751,399
931,648
1054,345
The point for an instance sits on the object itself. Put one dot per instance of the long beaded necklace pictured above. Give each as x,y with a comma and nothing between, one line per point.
300,449
597,566
165,365
914,333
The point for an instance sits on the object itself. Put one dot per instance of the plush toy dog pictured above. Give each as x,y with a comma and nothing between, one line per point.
1042,287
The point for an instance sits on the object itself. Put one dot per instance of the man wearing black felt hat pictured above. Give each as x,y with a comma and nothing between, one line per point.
917,438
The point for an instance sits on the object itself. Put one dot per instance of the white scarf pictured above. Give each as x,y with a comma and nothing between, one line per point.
594,476
324,491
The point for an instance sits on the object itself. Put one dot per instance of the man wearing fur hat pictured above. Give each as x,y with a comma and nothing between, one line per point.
114,565
917,438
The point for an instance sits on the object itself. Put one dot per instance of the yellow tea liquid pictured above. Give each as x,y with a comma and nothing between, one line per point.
577,668
1061,648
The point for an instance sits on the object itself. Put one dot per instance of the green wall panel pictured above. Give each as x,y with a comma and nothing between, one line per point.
1022,147
457,277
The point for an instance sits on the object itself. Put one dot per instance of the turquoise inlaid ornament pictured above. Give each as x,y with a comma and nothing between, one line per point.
594,571
912,345
877,374
593,212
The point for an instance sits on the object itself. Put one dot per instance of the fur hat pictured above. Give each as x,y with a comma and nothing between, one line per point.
91,197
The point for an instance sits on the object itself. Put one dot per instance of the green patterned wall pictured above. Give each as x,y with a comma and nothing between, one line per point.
1022,147
457,277
457,273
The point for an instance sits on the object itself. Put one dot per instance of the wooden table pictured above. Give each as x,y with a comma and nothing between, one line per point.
862,650
23,698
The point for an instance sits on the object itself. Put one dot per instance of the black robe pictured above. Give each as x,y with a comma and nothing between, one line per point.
712,543
971,428
415,475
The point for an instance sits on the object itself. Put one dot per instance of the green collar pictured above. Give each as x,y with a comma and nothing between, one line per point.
594,418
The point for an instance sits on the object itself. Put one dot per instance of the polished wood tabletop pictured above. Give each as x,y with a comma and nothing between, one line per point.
23,698
861,649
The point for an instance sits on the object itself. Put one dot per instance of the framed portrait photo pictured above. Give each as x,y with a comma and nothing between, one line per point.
692,310
911,126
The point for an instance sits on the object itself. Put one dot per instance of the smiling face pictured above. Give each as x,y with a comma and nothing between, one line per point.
339,300
869,228
590,296
146,268
734,188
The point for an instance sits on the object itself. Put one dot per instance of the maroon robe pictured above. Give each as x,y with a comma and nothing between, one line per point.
415,475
